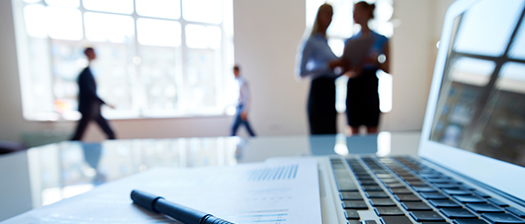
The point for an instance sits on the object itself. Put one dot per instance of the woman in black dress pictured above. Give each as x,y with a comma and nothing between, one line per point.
362,100
314,60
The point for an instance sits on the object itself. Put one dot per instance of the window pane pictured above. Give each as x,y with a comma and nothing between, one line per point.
169,9
38,84
201,78
198,36
113,70
384,11
488,39
206,11
161,76
64,3
341,20
116,6
472,71
159,32
385,91
34,16
518,47
511,78
337,46
64,23
110,28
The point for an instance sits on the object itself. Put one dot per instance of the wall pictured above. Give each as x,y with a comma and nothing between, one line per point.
266,37
413,54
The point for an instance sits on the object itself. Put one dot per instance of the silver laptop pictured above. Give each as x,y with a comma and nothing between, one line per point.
471,165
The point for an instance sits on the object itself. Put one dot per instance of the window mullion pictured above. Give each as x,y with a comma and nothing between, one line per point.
135,86
183,95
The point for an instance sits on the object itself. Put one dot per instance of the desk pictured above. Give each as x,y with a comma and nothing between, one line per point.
50,173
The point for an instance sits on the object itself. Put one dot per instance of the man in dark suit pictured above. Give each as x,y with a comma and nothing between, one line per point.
88,101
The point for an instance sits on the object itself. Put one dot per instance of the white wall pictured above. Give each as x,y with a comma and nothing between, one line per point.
266,37
413,54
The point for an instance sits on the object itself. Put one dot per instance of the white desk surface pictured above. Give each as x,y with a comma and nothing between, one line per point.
46,174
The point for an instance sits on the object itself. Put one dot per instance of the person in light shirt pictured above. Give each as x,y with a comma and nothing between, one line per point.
243,106
314,61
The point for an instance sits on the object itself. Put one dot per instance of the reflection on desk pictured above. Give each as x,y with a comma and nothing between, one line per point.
47,174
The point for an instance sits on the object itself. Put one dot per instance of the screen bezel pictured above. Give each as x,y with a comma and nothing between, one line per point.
495,173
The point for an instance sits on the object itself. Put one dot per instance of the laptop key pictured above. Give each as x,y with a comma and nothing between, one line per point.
346,185
400,191
368,182
355,205
424,189
415,206
456,192
388,211
407,197
384,175
469,199
516,212
500,218
482,208
354,221
351,196
351,214
372,188
377,194
395,220
469,221
447,186
398,185
444,204
481,194
438,180
382,202
369,222
420,216
458,213
368,177
389,181
498,202
417,184
433,195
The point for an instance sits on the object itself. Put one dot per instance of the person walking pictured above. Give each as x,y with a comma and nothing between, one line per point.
241,118
89,102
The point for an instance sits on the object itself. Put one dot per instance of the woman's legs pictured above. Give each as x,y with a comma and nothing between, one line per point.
355,130
321,106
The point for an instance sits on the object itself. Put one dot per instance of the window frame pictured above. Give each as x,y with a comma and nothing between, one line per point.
222,80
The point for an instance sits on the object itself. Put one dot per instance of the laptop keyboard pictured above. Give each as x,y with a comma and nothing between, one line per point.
400,190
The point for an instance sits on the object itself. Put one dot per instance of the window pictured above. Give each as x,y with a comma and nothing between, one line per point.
156,58
341,28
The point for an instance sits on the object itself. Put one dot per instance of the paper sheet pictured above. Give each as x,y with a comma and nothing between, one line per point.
274,193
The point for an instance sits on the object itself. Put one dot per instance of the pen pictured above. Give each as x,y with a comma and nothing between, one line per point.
180,212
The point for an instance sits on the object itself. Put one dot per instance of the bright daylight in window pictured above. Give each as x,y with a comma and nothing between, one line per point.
156,58
343,27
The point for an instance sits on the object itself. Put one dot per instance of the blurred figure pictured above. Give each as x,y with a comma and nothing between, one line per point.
92,154
241,118
314,62
88,101
362,100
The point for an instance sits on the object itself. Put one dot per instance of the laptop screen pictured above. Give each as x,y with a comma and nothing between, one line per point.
481,105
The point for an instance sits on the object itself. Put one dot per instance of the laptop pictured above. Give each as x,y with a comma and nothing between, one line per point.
471,158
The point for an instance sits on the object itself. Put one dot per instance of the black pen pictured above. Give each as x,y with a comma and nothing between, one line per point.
180,212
